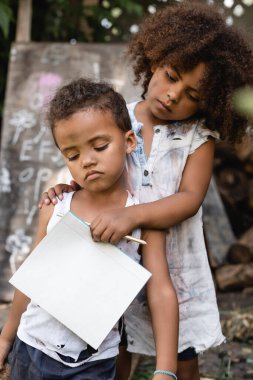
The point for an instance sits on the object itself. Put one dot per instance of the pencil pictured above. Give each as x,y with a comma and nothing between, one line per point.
127,237
140,241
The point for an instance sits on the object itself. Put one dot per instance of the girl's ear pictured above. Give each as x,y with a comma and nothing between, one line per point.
153,68
131,141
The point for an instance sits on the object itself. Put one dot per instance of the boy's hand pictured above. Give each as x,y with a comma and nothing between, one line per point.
5,347
111,226
51,195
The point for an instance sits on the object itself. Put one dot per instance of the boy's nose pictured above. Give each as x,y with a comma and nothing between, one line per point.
88,161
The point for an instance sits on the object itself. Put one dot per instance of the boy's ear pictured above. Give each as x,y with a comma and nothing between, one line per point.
131,141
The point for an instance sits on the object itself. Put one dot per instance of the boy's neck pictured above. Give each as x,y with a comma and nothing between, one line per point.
88,205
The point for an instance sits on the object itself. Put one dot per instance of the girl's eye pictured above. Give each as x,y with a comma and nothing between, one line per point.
194,98
100,148
172,78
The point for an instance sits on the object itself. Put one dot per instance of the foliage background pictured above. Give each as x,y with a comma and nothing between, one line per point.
93,21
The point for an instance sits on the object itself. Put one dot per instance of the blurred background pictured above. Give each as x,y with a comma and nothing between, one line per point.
46,42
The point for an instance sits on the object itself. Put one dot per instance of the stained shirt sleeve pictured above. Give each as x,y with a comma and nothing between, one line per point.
201,135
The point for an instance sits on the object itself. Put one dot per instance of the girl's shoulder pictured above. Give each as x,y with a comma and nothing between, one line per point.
131,107
196,128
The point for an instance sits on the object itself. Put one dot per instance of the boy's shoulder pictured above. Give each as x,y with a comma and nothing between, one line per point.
60,209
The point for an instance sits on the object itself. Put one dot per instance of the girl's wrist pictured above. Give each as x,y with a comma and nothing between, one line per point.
168,374
137,216
133,216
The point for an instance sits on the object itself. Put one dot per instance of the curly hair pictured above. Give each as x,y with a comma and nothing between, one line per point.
186,34
82,94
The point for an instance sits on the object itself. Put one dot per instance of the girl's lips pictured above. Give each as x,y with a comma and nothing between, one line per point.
163,106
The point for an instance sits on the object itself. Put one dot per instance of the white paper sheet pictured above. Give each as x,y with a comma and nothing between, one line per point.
85,285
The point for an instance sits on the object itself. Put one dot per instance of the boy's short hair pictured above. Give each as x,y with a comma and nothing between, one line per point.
82,94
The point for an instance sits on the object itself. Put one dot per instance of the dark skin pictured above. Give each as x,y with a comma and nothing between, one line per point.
90,141
203,39
114,224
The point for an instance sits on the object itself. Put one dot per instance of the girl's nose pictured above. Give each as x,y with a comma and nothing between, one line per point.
174,93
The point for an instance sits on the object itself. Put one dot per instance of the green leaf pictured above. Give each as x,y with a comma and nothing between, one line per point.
6,17
243,102
132,7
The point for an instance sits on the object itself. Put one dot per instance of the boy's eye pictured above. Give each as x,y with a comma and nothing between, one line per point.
72,158
100,148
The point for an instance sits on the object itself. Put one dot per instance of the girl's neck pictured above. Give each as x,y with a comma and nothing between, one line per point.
145,116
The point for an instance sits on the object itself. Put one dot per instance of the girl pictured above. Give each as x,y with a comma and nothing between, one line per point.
189,63
92,129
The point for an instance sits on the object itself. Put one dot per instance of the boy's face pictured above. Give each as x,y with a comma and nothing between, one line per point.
94,149
173,95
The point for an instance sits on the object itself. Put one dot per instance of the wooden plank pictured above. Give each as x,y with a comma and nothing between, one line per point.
218,232
24,19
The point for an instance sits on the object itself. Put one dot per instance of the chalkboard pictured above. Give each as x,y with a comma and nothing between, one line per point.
29,159
30,162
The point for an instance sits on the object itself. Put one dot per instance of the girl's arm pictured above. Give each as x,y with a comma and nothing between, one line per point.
166,212
111,226
162,301
20,301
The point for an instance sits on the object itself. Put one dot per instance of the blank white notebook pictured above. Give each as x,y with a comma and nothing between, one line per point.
85,285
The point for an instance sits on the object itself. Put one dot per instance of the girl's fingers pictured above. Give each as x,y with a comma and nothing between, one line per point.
74,186
50,196
44,200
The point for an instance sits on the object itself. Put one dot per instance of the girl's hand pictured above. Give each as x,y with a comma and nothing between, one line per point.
5,347
111,226
57,191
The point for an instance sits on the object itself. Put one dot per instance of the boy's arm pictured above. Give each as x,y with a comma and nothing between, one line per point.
162,301
20,301
113,225
8,334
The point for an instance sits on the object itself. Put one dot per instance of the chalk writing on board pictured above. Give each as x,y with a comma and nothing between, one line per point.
54,55
21,120
17,244
5,180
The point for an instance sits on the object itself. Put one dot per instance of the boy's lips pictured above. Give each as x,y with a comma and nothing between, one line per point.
91,175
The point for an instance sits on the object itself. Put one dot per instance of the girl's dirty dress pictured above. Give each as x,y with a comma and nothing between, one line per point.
159,176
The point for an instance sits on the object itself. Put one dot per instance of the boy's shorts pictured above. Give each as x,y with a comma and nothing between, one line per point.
187,354
28,363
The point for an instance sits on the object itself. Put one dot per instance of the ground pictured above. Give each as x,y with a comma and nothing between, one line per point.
234,359
231,361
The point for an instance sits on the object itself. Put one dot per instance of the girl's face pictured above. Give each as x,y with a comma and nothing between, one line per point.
173,95
94,149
